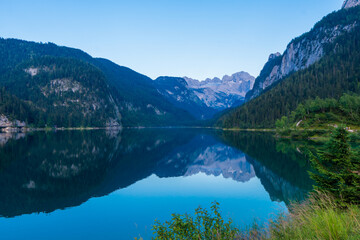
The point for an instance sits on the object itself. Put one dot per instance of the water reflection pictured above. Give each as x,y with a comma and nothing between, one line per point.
279,163
43,172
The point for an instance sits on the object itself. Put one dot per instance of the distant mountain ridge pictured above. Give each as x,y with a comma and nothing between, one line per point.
222,93
205,98
177,92
117,97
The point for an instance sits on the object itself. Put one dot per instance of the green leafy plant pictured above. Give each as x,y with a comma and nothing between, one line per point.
205,225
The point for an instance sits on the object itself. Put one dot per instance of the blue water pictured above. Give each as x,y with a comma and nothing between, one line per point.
136,177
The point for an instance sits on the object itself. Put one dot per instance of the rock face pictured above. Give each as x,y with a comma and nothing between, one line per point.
203,99
5,122
351,3
300,54
222,93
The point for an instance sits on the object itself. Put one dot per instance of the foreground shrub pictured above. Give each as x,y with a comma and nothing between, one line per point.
205,225
317,218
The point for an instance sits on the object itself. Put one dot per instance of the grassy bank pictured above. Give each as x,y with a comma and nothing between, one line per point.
317,218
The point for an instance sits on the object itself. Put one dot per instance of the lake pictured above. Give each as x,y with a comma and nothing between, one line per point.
114,184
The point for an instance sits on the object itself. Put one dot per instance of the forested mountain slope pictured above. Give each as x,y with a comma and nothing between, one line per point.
68,88
54,91
305,50
336,73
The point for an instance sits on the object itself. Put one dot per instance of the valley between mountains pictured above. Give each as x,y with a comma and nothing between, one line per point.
50,86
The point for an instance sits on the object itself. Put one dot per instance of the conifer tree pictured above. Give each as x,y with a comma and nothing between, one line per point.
337,169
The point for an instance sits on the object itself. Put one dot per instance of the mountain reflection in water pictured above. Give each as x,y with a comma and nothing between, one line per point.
43,172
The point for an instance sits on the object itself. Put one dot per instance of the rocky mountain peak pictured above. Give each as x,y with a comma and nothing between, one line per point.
302,52
350,3
274,55
221,93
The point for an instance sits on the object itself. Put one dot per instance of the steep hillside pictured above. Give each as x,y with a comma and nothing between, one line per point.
58,91
12,109
177,91
323,114
119,91
305,50
139,101
337,72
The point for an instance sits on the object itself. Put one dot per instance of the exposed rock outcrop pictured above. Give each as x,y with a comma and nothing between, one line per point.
301,53
6,122
351,3
222,93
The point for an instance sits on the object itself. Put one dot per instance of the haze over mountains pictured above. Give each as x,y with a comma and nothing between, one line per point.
45,85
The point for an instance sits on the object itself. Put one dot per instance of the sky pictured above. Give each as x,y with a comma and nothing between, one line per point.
194,38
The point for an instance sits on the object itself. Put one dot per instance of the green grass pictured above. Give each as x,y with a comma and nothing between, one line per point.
318,218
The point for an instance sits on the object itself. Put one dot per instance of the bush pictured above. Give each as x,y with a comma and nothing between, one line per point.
317,218
205,225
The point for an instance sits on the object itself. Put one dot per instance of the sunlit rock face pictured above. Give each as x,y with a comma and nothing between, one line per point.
301,53
351,3
222,93
6,122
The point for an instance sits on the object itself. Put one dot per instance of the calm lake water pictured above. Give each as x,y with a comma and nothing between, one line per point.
113,185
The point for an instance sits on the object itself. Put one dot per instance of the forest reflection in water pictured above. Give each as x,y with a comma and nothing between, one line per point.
44,172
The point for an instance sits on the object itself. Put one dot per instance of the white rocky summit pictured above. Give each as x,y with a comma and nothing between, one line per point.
222,93
351,3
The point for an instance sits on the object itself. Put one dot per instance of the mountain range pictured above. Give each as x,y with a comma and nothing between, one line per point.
205,98
48,85
45,85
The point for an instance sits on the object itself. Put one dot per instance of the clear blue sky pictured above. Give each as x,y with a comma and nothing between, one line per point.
195,38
